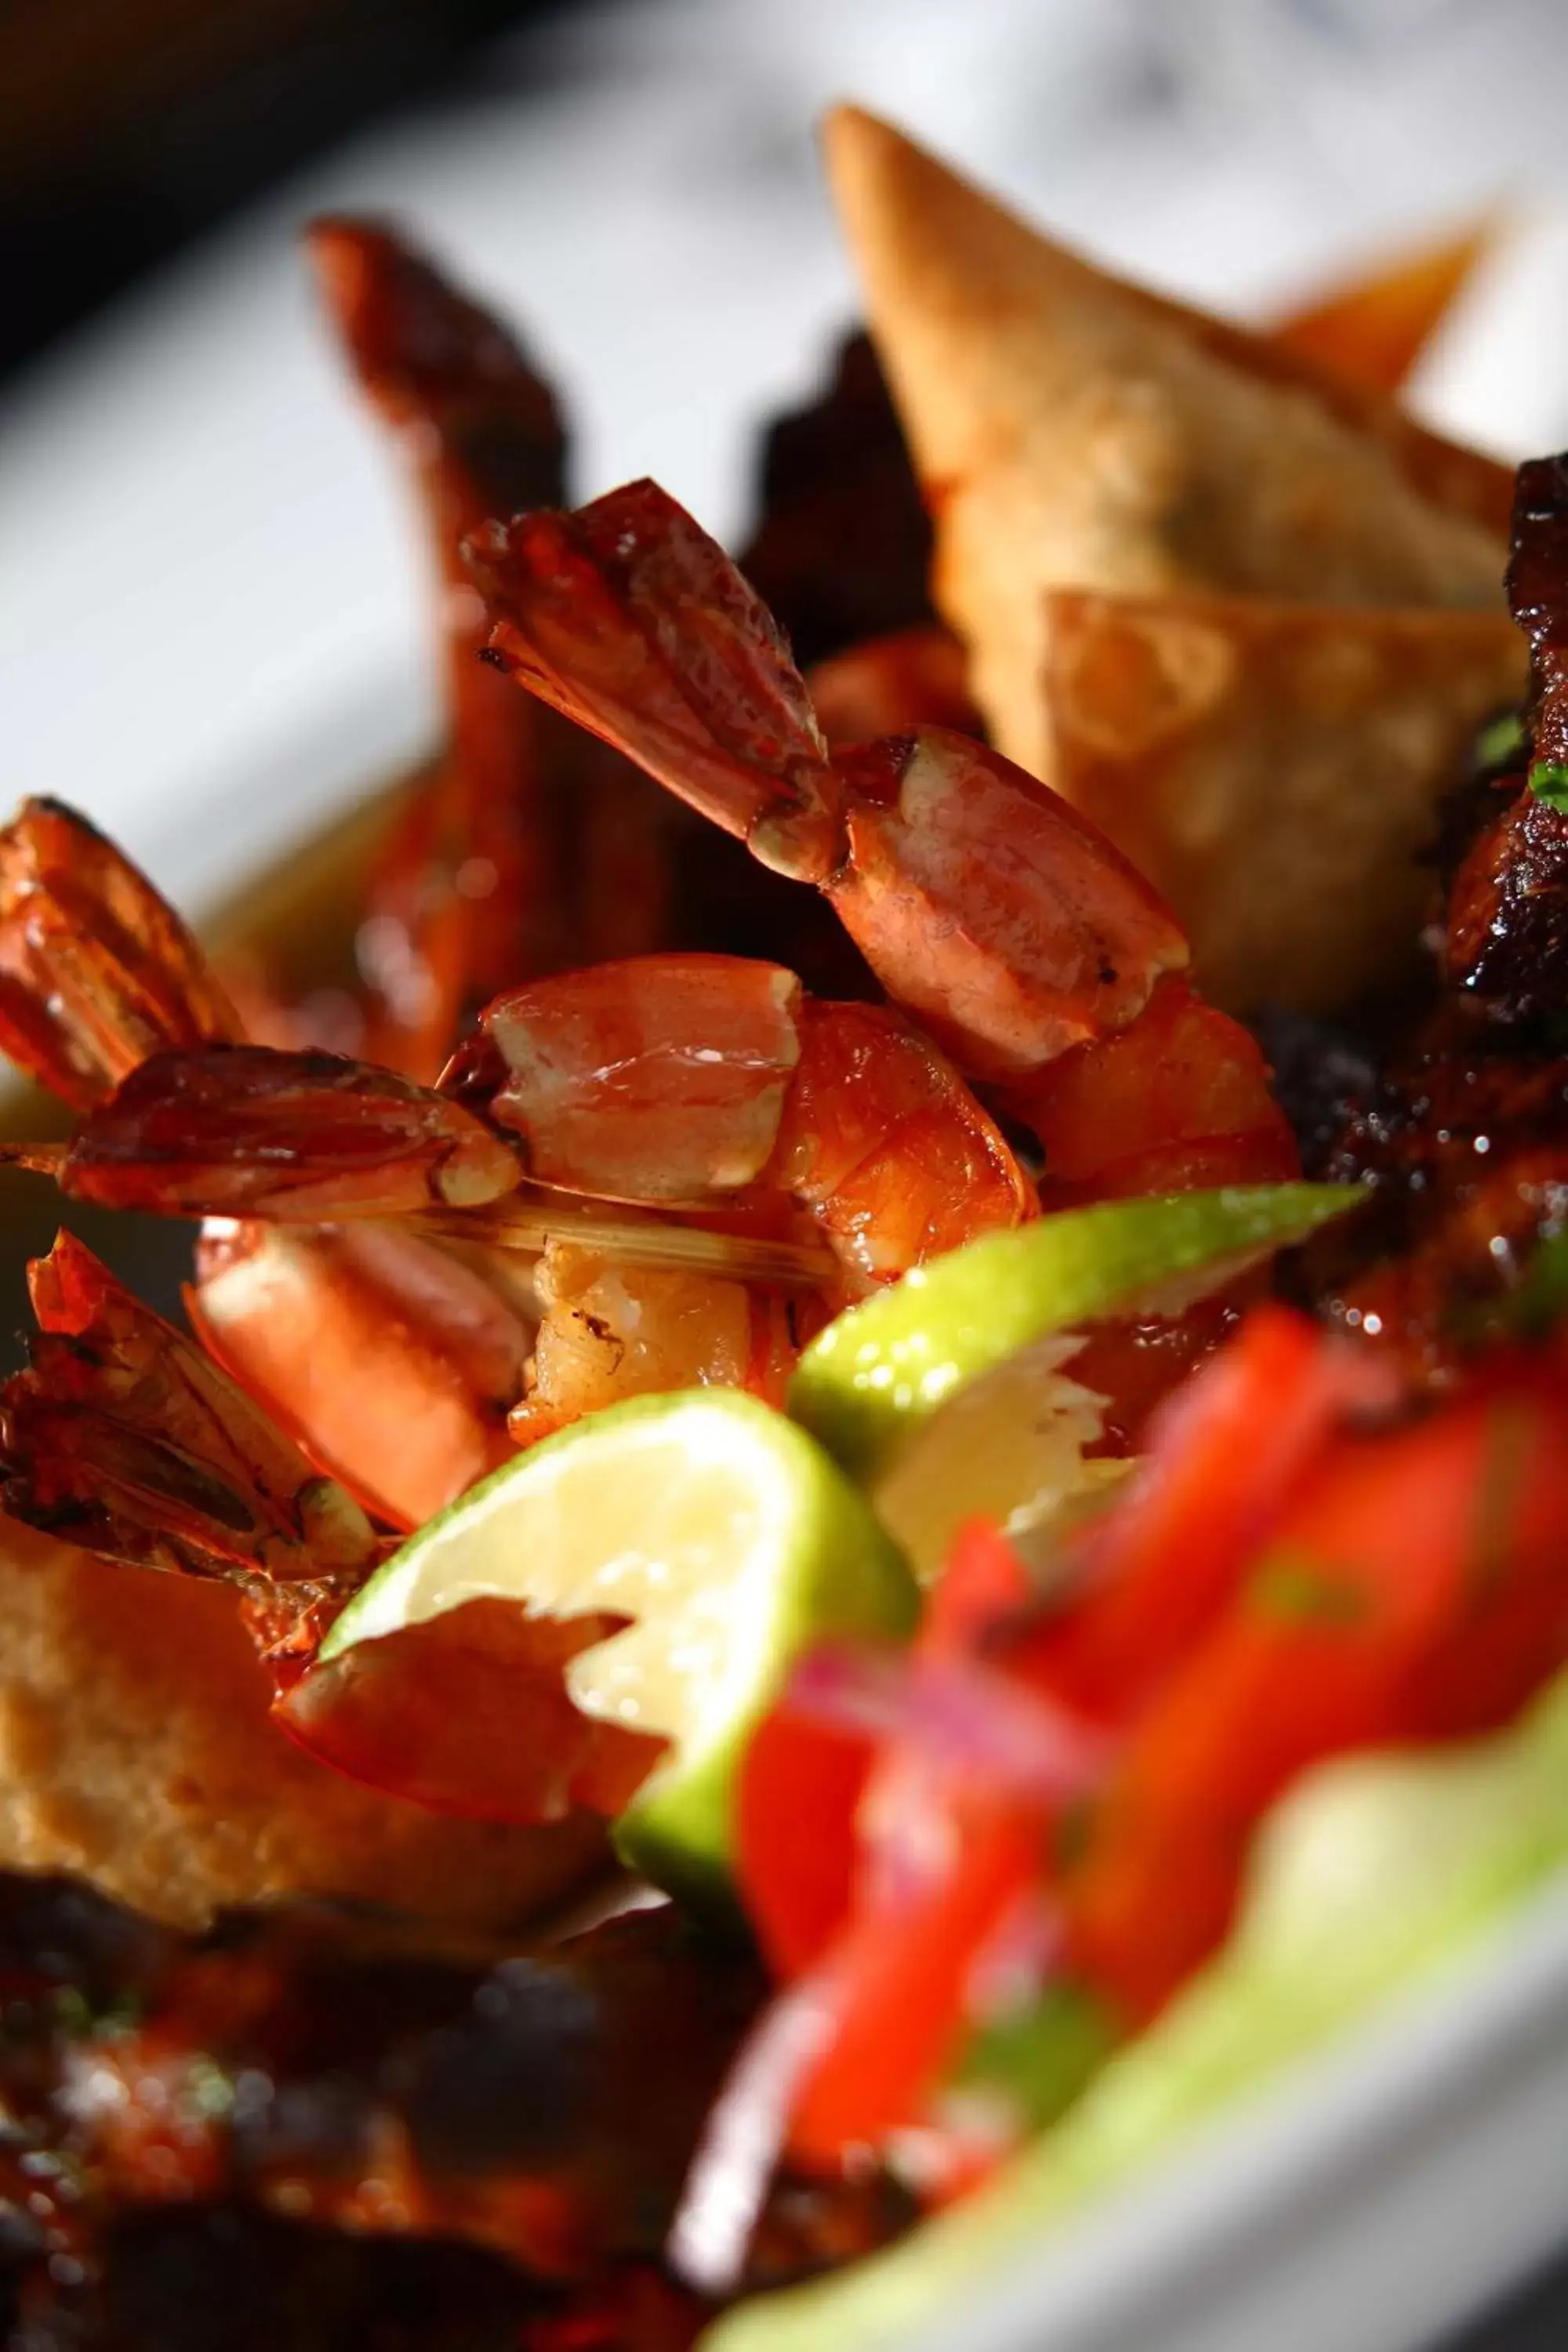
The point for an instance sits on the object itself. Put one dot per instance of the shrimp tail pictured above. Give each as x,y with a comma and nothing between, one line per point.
123,1437
629,619
256,1130
97,970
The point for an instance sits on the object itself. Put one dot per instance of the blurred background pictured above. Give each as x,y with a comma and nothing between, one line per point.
209,595
212,606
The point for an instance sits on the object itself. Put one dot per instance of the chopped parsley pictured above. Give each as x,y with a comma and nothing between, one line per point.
1500,741
1548,782
1297,1593
1040,2057
1538,1303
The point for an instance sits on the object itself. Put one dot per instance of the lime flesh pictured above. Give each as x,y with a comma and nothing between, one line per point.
726,1539
880,1371
1008,1446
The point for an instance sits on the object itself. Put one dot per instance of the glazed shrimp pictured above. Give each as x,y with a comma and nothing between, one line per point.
687,1084
754,1142
1022,942
97,976
525,847
469,890
123,1437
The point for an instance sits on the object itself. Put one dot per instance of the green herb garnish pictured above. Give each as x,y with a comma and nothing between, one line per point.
1040,2058
1533,1310
1500,741
1548,782
1298,1593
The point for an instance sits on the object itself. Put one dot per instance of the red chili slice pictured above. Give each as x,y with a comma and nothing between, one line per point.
1226,1454
1422,1574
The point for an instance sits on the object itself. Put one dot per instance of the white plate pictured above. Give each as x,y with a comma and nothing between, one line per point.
1372,2200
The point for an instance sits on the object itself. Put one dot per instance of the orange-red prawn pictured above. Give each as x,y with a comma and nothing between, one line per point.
329,1288
96,970
675,1083
1025,944
123,1437
803,1145
468,892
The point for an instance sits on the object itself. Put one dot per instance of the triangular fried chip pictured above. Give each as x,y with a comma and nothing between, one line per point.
1371,330
141,1754
1274,769
1071,430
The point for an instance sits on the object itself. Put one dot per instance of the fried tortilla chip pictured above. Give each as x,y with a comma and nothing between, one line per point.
136,1749
1071,430
1372,330
1273,768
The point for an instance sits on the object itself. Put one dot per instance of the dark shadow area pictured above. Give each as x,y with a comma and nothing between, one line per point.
129,127
1534,2321
152,1255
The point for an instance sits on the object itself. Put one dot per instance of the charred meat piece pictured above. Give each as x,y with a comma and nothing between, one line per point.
1507,944
211,2278
843,548
1323,1071
1468,1155
1537,597
307,2074
1464,1140
1506,948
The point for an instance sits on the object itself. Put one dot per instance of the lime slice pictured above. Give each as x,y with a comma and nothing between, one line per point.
879,1372
1009,1446
726,1538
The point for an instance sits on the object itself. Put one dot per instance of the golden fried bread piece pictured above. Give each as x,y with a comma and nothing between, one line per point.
136,1747
1372,330
1271,768
1073,431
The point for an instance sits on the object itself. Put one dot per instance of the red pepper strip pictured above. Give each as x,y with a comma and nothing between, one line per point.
797,1849
802,1778
1225,1453
931,1894
982,1583
1478,1684
898,1986
1411,1568
1402,1584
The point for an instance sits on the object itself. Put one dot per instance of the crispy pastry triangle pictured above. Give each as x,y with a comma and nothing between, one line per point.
1372,330
1071,430
1298,589
1272,768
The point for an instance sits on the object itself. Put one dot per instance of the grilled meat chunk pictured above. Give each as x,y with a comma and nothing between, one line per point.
252,2100
1464,1140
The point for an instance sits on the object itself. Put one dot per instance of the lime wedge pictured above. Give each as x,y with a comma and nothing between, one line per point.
723,1534
880,1371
